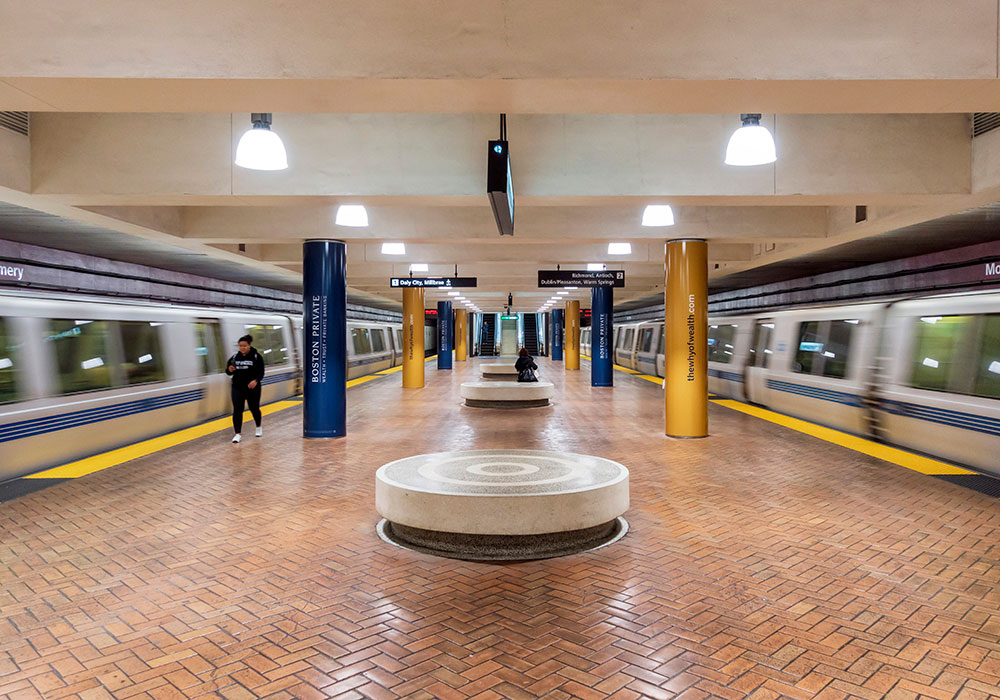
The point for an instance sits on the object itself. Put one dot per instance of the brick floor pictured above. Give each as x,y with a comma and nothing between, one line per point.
761,564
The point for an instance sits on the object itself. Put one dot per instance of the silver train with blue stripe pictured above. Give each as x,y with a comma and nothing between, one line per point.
923,373
80,376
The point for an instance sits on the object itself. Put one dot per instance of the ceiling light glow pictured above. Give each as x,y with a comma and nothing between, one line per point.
619,248
352,215
751,144
393,249
658,215
418,267
260,148
595,267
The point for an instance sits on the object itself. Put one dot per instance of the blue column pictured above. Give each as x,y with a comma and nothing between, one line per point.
601,332
557,334
324,342
445,334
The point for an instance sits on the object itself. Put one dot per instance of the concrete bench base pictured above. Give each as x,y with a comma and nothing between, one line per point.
496,394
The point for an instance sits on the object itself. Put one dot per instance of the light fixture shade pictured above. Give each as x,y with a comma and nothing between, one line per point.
261,149
619,248
595,267
751,144
418,267
352,215
393,249
658,215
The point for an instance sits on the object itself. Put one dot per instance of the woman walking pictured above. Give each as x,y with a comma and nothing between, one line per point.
246,368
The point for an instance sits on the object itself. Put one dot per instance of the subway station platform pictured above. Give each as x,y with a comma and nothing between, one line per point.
761,562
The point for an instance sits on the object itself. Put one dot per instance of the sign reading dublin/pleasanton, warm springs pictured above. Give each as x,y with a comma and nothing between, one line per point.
581,278
433,282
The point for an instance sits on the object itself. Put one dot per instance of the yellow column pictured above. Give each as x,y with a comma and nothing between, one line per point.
413,337
572,351
686,348
461,336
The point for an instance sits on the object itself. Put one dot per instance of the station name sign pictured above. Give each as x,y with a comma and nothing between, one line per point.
432,282
581,278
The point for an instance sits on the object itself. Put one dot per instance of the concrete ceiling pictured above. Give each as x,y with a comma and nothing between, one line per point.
136,111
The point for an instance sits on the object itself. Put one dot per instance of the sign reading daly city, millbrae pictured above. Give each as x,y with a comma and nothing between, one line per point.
581,278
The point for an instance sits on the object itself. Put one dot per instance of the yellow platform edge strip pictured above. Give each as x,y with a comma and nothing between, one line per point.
918,463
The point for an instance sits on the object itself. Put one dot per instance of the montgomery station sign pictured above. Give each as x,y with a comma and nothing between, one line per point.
11,272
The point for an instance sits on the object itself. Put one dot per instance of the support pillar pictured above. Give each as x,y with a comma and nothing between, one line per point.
601,333
572,335
413,337
461,335
445,330
324,313
686,347
557,335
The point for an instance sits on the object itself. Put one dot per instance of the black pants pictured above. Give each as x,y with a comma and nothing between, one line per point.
252,398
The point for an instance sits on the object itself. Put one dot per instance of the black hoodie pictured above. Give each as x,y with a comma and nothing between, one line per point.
249,368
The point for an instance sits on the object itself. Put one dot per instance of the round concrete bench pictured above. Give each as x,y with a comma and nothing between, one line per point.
498,372
502,504
491,394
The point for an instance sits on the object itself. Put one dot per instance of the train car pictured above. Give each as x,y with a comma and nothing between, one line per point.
585,341
81,376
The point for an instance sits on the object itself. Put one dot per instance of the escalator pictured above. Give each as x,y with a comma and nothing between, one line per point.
531,334
487,344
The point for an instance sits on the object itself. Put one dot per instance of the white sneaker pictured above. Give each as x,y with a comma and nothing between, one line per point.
236,437
259,432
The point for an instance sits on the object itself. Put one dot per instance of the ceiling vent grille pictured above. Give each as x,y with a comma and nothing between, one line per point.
983,122
15,121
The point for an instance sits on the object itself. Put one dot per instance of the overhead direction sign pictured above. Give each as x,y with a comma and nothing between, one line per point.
433,282
581,278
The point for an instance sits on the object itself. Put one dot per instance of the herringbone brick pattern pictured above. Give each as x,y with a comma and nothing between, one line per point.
761,564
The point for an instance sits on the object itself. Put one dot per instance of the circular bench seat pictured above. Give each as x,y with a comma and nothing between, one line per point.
493,394
498,371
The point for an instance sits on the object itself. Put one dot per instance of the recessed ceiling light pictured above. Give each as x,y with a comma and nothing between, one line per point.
418,267
454,294
619,248
570,287
658,215
352,215
259,147
393,249
562,293
751,144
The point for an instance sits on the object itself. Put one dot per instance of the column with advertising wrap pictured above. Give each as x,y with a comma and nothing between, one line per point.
601,333
324,341
444,330
413,337
461,335
572,335
557,335
686,345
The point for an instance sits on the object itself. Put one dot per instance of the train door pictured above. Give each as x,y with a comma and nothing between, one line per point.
212,355
758,361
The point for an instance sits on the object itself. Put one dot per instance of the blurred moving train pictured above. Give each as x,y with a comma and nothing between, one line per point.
81,376
921,373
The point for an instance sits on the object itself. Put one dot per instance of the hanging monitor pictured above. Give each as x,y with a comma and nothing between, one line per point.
499,188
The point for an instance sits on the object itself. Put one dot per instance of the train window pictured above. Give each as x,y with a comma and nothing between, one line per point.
988,372
399,340
823,348
647,339
941,353
663,339
270,343
9,363
362,342
627,343
209,347
720,343
143,361
760,344
378,340
82,356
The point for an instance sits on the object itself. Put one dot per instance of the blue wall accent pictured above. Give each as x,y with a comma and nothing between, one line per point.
601,333
557,334
446,334
324,343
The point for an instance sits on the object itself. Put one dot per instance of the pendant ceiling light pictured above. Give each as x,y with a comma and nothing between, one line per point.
658,215
751,144
260,148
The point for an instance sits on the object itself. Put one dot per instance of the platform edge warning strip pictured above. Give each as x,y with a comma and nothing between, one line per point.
887,453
